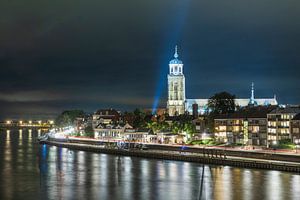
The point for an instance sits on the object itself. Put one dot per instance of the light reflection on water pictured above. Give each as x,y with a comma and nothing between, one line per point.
32,171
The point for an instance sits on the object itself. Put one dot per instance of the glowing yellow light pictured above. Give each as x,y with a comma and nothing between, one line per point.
40,122
30,122
51,122
20,122
8,122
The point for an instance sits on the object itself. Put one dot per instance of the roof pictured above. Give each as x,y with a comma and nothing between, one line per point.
175,61
297,117
238,102
113,126
286,110
107,112
248,112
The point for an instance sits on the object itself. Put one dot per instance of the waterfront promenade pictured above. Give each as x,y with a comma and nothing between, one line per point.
237,158
279,154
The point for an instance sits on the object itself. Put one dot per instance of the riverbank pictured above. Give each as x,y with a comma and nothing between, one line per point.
205,156
275,155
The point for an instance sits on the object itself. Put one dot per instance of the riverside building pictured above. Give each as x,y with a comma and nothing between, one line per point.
178,103
105,116
295,128
247,126
279,124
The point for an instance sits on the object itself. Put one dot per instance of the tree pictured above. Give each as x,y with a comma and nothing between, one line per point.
221,103
68,117
135,118
175,127
139,116
152,126
190,129
89,132
128,117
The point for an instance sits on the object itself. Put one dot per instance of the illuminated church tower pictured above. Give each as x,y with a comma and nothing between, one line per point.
176,87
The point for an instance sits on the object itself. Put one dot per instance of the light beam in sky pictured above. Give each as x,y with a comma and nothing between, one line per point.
172,38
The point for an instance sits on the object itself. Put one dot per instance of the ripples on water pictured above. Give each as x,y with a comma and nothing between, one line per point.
32,171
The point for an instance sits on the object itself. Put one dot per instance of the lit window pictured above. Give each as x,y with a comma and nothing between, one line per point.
236,128
222,128
295,130
255,129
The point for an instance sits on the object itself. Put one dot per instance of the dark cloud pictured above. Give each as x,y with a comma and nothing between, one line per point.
89,54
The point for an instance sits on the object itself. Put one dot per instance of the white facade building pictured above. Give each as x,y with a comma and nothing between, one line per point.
178,104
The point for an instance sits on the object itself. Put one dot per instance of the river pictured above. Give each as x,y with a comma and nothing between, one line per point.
32,171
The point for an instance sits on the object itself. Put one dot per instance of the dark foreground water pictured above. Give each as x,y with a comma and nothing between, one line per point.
32,171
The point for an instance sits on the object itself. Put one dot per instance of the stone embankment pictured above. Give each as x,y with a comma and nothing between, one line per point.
199,155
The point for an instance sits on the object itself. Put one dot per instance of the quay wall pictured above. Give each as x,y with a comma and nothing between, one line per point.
228,151
289,167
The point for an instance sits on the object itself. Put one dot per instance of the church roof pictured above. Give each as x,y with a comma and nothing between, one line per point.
262,102
239,102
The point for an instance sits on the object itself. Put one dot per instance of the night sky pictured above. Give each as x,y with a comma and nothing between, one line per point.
90,54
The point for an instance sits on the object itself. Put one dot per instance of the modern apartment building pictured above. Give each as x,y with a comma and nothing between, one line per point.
295,129
247,126
279,124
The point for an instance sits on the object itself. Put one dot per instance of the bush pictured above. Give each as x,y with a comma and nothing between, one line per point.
212,142
77,134
284,144
205,142
89,132
196,142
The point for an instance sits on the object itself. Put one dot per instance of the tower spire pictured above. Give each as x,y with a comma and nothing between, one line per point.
176,53
252,93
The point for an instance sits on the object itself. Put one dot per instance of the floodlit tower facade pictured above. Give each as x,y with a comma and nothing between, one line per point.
176,87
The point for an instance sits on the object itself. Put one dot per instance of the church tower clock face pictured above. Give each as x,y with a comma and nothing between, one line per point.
176,86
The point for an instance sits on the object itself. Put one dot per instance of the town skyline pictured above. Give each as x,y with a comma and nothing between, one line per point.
65,61
127,104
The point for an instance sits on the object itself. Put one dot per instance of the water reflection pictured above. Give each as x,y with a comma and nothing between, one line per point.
32,171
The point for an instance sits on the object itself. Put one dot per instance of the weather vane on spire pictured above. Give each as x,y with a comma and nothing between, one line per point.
176,54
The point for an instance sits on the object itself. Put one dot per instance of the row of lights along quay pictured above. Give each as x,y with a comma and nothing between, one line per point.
27,123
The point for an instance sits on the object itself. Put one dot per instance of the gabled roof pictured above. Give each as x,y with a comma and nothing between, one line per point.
286,110
107,112
248,112
112,126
